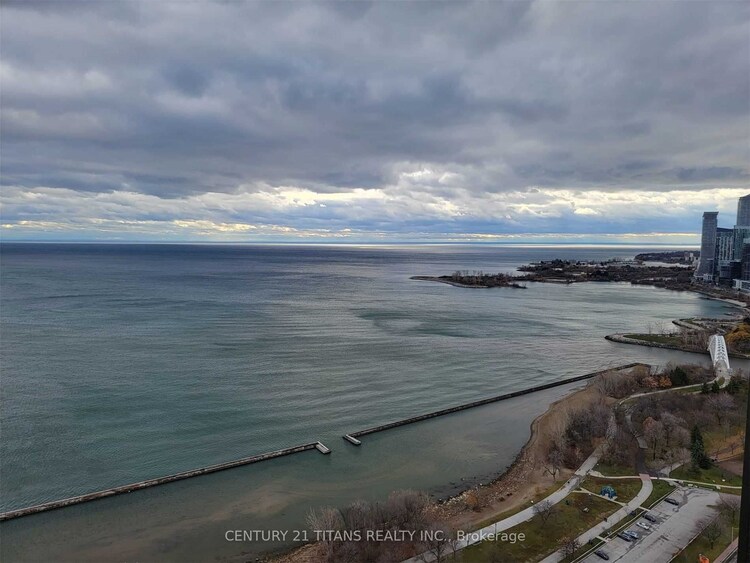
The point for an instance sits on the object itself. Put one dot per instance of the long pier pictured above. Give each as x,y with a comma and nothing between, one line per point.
351,437
160,481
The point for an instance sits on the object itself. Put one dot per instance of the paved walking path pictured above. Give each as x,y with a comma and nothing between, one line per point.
612,520
569,486
712,485
527,513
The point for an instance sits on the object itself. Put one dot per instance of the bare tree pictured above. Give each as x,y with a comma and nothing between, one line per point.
326,520
671,426
453,543
569,545
403,510
545,510
438,540
674,455
711,530
729,507
653,432
616,384
553,462
721,406
407,509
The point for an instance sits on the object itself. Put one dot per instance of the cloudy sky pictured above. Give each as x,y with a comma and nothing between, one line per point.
364,121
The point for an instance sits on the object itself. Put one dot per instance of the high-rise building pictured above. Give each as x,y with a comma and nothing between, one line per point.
724,255
743,211
707,263
745,262
724,244
740,234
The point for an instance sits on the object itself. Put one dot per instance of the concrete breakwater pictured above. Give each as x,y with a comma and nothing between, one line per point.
160,481
351,437
622,339
684,323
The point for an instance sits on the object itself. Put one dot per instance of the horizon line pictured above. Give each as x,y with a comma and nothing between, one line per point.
679,246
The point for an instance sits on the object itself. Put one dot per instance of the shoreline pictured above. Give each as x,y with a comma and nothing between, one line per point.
620,338
513,487
730,301
438,279
520,483
513,281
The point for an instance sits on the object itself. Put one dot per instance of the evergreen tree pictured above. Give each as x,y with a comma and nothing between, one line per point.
698,450
678,377
704,388
715,387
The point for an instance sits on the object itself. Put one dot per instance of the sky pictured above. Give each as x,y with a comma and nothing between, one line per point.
354,121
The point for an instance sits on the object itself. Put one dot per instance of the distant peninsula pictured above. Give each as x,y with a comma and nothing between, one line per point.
474,280
669,270
670,257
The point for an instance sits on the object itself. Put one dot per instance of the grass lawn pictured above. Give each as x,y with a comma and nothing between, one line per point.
626,488
616,470
695,388
661,489
674,340
542,539
713,475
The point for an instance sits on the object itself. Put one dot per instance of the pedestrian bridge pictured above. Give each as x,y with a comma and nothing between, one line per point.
719,356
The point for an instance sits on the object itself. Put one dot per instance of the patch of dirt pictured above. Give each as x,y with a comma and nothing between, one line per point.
733,465
526,477
308,553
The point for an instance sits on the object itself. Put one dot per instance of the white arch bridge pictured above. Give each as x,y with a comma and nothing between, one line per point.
719,356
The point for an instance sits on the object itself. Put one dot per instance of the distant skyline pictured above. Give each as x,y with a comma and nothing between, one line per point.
528,122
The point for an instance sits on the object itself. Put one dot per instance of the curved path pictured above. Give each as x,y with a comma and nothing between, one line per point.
570,485
612,520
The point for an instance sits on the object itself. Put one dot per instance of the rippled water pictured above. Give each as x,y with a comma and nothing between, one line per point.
122,363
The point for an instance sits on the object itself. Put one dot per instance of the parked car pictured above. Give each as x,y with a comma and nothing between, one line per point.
599,553
624,536
644,526
649,517
672,501
632,534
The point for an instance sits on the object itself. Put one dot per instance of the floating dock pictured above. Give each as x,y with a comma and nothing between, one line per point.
352,436
160,481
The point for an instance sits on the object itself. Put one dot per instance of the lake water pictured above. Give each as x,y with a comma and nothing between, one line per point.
127,362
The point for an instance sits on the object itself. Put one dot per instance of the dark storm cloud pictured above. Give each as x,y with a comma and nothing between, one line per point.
437,108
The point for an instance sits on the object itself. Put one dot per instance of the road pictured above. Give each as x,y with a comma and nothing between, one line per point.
676,528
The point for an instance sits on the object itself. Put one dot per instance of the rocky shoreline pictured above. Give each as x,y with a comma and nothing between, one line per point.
671,276
479,284
623,339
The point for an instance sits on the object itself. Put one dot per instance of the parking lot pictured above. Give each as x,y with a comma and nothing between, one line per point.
676,526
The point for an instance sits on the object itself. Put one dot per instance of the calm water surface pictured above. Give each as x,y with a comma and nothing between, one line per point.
123,363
